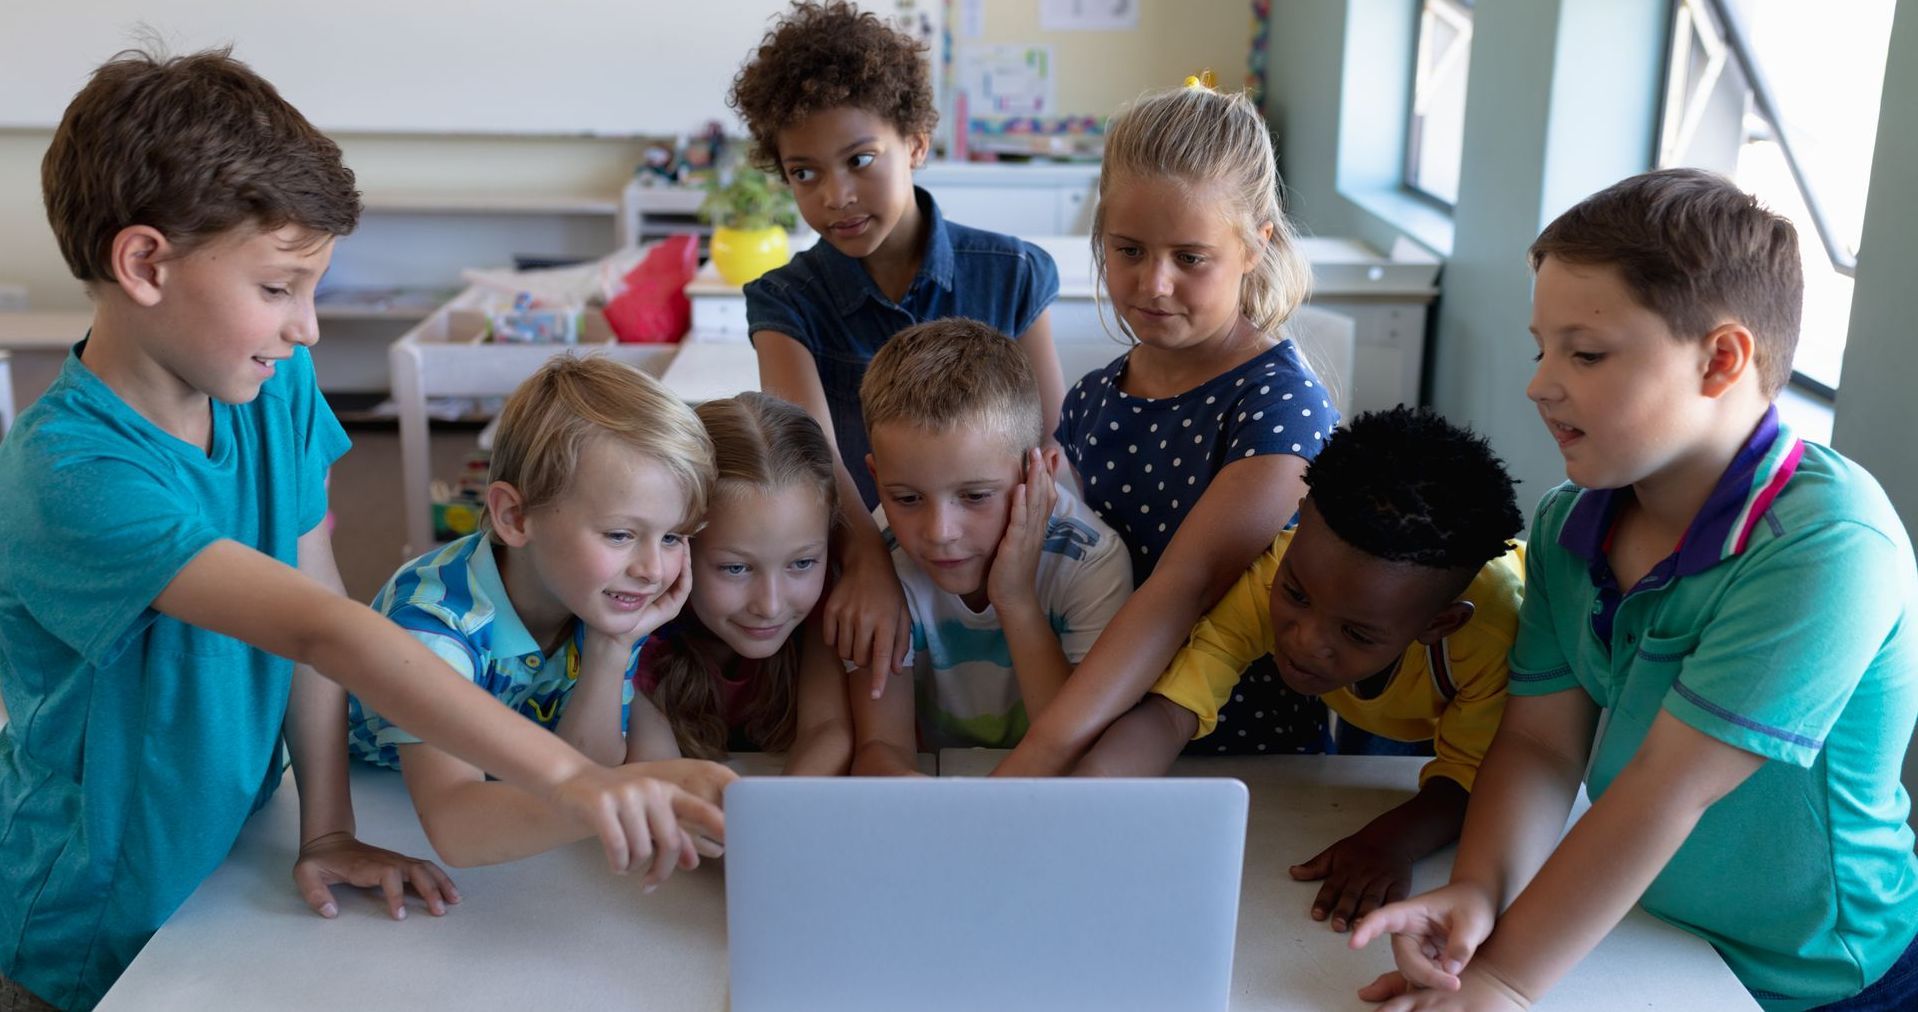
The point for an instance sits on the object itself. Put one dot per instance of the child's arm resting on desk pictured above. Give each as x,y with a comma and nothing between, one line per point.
1374,865
473,821
883,729
315,730
1184,703
865,617
1590,882
231,589
1760,681
822,722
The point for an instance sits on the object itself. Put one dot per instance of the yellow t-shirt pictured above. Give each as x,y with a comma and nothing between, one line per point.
1452,692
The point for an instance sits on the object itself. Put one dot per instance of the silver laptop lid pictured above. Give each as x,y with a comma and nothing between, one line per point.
970,894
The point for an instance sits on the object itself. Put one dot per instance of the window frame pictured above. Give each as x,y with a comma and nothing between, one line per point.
1413,133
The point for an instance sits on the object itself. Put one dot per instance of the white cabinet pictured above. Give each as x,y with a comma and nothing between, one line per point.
1385,296
1029,198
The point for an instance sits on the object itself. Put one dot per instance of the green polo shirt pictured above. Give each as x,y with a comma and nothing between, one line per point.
1783,625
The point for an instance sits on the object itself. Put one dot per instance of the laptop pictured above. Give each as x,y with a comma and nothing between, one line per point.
851,893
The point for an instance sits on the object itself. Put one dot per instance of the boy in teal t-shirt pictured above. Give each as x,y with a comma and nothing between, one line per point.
1740,604
154,506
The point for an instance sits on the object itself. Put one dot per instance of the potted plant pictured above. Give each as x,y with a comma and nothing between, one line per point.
750,215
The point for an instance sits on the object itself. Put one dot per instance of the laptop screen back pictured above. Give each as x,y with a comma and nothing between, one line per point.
975,893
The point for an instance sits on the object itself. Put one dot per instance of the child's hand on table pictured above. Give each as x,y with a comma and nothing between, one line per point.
1360,876
1433,937
1478,992
341,859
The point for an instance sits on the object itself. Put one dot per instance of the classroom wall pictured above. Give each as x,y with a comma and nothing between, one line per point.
1541,131
1098,71
382,162
1877,413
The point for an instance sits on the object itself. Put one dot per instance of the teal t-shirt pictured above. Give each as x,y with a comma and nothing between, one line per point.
137,744
1786,624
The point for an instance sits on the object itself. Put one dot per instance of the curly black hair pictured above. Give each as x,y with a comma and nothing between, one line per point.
823,56
1408,486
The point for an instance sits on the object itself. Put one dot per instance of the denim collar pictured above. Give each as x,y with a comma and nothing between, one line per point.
846,277
1723,526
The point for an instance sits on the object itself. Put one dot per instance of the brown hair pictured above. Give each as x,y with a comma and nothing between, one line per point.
954,372
824,56
1198,137
571,399
1696,250
193,146
761,444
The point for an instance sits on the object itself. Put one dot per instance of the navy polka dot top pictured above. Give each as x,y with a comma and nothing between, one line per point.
1143,462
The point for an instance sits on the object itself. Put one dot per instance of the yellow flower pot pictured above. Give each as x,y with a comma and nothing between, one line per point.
742,256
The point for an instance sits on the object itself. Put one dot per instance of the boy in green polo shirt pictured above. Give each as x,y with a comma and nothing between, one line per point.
1740,605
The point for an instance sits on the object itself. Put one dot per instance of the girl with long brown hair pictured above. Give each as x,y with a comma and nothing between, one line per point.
745,667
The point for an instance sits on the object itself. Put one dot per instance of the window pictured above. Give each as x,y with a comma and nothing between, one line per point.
1782,96
1435,133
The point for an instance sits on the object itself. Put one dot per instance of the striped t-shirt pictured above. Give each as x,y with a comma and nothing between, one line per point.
453,601
967,693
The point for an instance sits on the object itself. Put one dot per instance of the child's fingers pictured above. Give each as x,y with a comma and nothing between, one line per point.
442,880
1345,908
1317,868
605,819
1418,967
666,836
1330,897
430,887
1389,920
1369,899
393,885
700,817
688,852
1390,984
638,831
306,875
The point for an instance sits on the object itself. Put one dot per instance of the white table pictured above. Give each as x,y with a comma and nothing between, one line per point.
557,931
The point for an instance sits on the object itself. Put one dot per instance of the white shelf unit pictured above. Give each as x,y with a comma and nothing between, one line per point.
404,261
443,356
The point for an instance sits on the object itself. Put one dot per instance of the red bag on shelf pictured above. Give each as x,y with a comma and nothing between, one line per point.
653,307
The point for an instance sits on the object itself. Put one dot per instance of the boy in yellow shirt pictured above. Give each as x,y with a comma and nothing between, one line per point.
1395,599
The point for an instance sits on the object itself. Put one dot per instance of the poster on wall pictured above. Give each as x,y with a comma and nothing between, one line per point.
1089,15
1008,79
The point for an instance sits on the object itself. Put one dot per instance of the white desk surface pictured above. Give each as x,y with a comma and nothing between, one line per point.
557,931
707,370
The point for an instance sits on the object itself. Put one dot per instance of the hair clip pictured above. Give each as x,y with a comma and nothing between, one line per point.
1202,79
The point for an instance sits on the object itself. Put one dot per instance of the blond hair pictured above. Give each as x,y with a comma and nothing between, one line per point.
955,372
572,399
1199,137
760,444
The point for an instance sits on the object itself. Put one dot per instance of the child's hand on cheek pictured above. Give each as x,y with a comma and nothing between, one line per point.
663,608
1015,567
655,613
